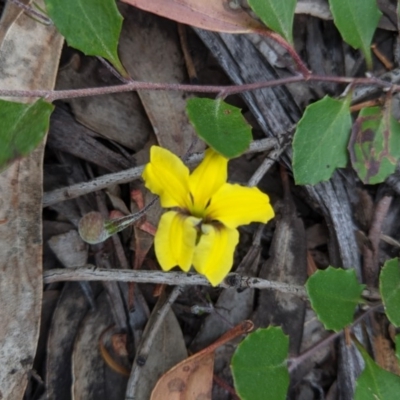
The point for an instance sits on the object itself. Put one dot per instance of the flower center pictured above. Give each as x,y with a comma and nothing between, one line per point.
198,210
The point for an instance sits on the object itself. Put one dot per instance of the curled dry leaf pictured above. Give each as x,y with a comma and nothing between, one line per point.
214,15
29,57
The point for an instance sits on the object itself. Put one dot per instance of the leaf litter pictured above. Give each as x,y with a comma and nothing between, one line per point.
93,335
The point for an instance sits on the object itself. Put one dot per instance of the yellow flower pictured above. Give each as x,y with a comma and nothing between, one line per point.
201,231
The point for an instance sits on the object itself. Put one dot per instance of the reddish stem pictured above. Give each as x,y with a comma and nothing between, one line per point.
287,46
52,95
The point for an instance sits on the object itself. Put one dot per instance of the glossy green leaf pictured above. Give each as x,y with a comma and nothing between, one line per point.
277,15
357,21
374,145
389,286
220,125
320,141
22,128
334,294
375,383
91,26
259,365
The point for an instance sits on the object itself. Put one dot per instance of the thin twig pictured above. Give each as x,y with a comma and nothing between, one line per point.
80,189
294,362
52,95
233,280
268,162
371,264
191,70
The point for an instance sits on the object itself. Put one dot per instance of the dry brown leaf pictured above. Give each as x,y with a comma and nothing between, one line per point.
167,349
383,350
156,41
119,117
71,309
214,15
69,248
93,376
29,57
68,136
190,379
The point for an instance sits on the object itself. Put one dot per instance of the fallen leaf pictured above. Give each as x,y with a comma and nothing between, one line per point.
71,309
193,378
69,248
384,352
29,57
157,42
67,135
93,376
218,16
119,117
166,350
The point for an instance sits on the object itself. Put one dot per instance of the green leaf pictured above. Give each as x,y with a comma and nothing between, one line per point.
22,128
375,383
259,365
277,15
320,141
220,125
389,286
91,26
375,145
334,293
357,21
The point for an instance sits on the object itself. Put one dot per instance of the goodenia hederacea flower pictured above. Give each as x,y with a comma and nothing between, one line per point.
200,231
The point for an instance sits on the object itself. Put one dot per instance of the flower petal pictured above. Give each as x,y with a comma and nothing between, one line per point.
167,176
175,240
206,179
213,256
235,205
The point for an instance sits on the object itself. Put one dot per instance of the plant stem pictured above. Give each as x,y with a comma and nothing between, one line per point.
52,95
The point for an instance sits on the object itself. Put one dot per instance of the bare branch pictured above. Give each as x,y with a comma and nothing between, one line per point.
152,328
80,189
233,280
